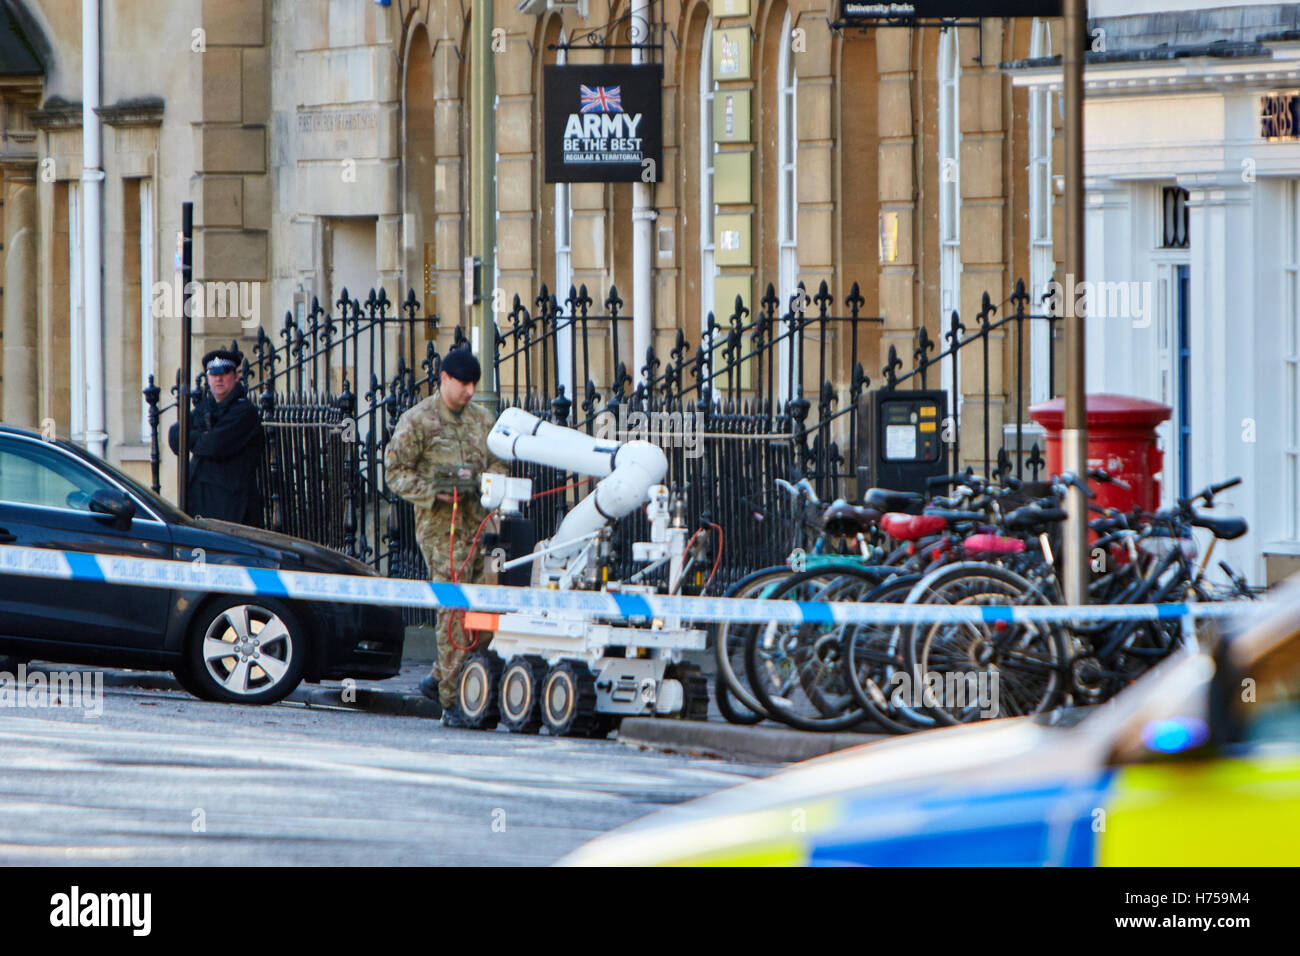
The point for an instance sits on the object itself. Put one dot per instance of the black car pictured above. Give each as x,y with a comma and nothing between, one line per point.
238,648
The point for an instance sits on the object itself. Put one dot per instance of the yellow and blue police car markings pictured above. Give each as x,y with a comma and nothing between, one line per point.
996,826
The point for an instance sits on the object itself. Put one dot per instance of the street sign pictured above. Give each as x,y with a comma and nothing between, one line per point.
603,123
867,10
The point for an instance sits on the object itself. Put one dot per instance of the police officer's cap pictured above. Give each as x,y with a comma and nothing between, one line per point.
461,364
220,361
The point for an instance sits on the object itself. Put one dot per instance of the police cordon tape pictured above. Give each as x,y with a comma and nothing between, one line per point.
401,592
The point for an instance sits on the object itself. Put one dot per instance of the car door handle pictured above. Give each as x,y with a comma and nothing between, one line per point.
6,537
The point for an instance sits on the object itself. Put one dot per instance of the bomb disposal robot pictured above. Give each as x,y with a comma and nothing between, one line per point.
577,674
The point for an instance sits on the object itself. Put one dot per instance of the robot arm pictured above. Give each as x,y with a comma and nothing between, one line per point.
628,470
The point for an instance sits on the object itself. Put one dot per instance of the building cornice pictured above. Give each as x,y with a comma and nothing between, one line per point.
1180,75
145,111
57,114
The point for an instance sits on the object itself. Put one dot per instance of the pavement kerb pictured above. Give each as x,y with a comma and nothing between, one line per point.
367,699
735,742
716,739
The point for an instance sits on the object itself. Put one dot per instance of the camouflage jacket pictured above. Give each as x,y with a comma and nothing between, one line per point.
430,446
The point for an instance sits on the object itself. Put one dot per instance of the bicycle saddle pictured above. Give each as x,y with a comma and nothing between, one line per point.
992,544
1030,517
904,527
844,519
882,500
1225,528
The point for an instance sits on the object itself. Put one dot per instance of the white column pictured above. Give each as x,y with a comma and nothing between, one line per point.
1112,256
643,218
1225,351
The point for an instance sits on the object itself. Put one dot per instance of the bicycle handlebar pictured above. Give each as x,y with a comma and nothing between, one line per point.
1069,478
1207,494
1105,477
800,489
961,478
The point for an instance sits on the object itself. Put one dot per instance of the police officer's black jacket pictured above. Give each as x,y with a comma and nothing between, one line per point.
225,452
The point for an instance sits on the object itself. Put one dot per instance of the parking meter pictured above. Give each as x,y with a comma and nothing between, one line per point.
907,438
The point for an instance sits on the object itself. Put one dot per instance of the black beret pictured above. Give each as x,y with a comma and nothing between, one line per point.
462,365
222,360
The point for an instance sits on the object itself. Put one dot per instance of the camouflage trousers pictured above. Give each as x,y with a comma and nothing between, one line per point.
433,534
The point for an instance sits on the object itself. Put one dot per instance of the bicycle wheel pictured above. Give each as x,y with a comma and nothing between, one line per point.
875,667
731,688
967,671
795,669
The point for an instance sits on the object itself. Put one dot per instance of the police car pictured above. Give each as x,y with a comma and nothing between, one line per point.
1196,764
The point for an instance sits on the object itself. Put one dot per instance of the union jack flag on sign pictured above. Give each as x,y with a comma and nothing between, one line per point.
601,99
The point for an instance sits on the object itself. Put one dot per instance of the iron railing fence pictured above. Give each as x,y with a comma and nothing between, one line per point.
764,395
997,458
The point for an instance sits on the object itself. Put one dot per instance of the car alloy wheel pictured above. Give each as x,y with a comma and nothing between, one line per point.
248,653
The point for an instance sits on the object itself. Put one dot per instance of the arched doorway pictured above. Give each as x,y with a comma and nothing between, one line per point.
419,165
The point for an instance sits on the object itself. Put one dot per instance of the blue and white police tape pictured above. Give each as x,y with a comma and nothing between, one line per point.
399,592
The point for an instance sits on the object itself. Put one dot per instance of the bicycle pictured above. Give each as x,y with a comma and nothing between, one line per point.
1044,664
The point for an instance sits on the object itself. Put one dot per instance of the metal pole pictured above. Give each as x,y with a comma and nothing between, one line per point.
482,195
643,217
1074,437
187,332
92,260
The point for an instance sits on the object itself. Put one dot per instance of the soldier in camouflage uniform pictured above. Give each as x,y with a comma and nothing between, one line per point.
434,460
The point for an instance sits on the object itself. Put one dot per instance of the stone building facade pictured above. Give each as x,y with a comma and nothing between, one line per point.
324,144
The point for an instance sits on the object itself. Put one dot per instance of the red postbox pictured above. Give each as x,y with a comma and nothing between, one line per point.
1121,439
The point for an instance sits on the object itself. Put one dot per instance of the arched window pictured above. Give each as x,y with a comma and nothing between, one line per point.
949,190
708,269
949,173
76,317
787,202
1042,263
788,136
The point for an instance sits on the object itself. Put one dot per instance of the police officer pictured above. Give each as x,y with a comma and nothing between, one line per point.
433,460
225,446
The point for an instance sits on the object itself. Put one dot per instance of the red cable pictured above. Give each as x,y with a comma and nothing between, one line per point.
716,561
574,484
451,546
478,532
691,540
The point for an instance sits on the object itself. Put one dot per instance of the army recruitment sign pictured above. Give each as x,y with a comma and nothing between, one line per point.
604,124
868,10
